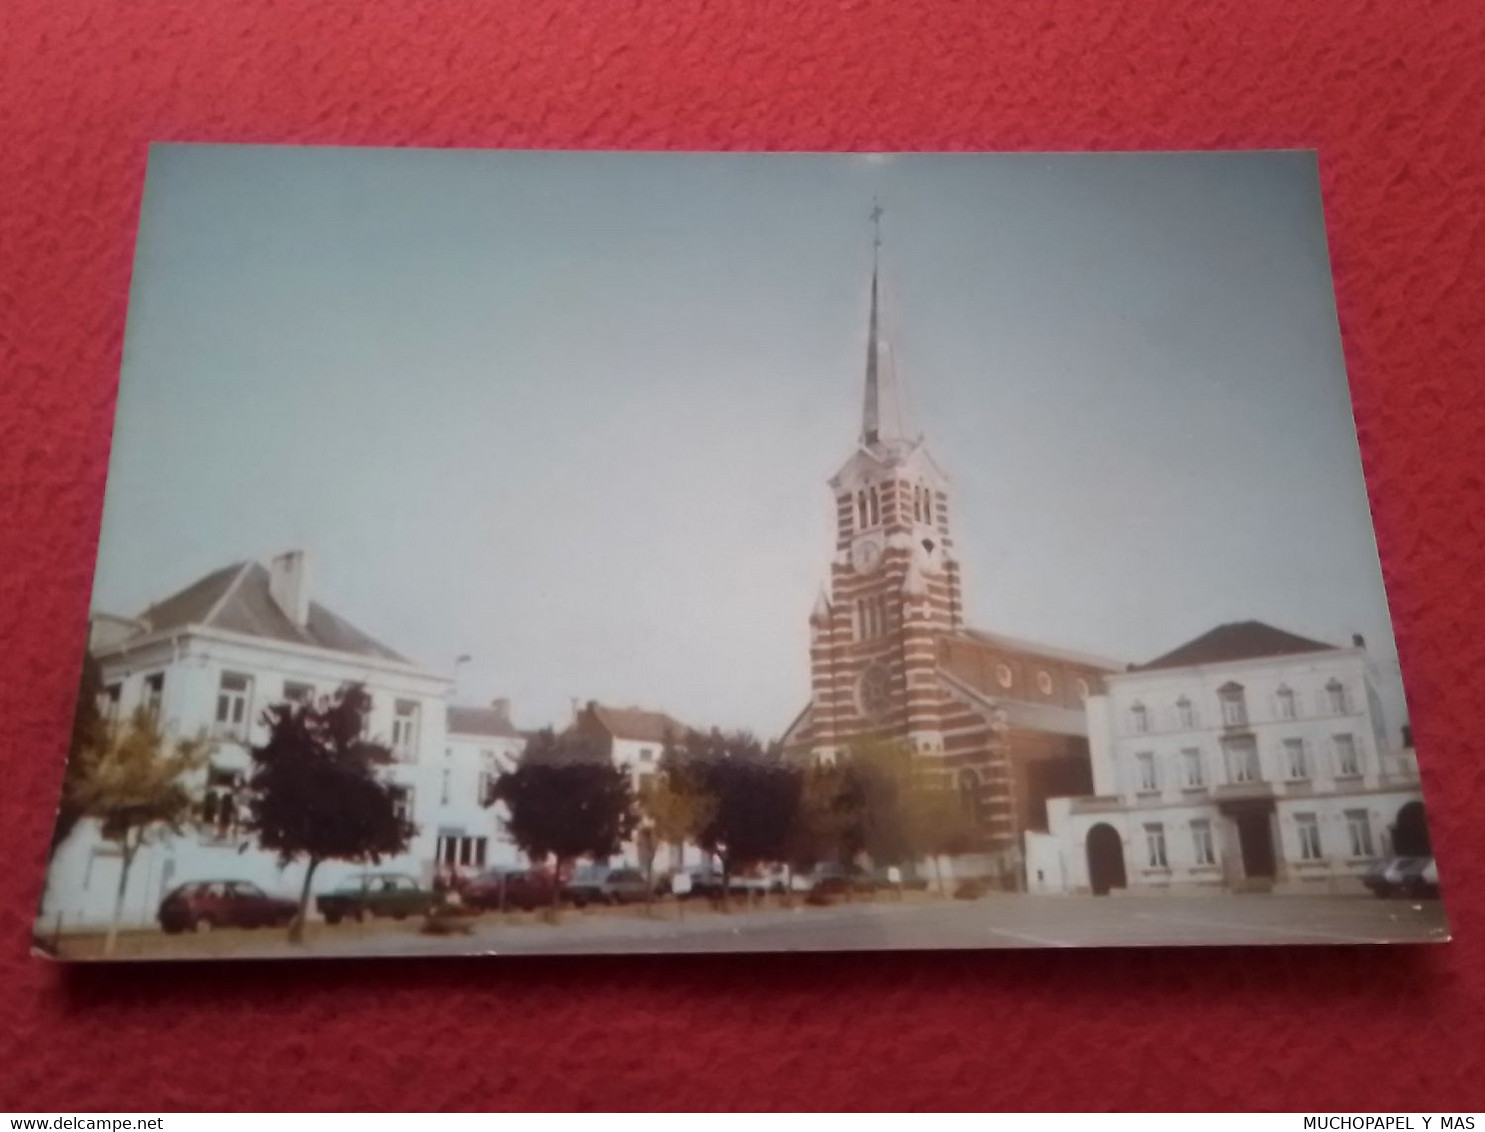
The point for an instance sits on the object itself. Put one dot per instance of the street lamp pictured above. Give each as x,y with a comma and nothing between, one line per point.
462,659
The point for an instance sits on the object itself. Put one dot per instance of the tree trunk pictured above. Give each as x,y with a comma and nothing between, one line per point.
938,872
126,859
296,929
650,886
726,884
556,887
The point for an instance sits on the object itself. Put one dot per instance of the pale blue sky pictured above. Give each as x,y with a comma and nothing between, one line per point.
573,414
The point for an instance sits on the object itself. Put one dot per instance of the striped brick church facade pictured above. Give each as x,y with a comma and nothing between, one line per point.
891,658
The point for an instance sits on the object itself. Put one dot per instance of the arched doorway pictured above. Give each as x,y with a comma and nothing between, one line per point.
1410,832
1105,859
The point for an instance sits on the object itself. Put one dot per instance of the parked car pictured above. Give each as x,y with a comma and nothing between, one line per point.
881,879
751,885
833,879
375,894
526,889
699,881
1425,884
1396,876
206,904
600,884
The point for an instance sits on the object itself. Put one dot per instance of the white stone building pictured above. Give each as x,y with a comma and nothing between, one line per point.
480,743
634,738
1248,759
209,659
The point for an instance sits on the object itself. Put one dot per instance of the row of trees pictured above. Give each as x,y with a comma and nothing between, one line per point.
736,799
315,792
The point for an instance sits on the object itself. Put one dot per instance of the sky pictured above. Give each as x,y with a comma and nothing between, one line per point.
573,415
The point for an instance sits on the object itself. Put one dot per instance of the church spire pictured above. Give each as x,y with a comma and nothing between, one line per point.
881,417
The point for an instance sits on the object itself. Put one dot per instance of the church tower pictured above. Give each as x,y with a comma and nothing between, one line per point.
999,718
894,580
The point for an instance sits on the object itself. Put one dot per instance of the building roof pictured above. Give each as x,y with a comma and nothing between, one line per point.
637,723
492,721
1238,640
237,599
1034,648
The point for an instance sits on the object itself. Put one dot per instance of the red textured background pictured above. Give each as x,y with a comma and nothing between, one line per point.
1393,96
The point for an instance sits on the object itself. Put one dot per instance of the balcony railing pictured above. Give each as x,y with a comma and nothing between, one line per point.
1242,791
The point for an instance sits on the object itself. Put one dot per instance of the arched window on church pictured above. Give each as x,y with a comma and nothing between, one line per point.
917,503
873,505
846,517
927,506
861,507
969,795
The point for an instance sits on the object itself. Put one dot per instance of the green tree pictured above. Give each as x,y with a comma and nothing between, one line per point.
832,823
674,806
566,800
882,775
938,824
134,781
316,790
755,804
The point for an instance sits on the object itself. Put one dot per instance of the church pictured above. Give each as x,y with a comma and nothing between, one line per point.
891,658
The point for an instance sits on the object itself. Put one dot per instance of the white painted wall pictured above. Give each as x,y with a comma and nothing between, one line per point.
83,876
1386,778
468,763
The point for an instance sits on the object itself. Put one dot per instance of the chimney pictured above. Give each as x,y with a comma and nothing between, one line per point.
288,585
1358,640
502,708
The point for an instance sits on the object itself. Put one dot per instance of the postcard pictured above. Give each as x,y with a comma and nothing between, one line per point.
523,552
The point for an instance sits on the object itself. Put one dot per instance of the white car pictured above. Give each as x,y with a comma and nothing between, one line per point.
1426,883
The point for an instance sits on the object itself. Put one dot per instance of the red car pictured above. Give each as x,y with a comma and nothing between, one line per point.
526,889
205,904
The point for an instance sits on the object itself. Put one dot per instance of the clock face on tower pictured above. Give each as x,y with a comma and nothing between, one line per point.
874,691
866,556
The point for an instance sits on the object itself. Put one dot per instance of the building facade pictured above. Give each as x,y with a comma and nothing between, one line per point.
634,739
1001,720
208,661
1248,759
480,744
